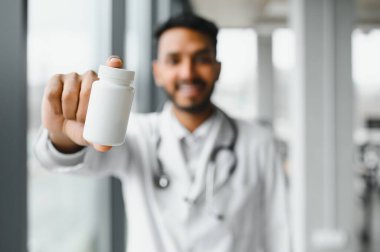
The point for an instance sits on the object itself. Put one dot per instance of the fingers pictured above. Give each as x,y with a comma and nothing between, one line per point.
84,96
70,95
53,93
51,110
74,130
114,61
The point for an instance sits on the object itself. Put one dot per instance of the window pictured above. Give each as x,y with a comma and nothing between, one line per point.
63,36
366,78
283,63
235,90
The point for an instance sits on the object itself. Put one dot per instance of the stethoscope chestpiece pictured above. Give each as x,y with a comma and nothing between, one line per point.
161,181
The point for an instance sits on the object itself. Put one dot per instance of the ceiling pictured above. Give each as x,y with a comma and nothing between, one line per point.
272,13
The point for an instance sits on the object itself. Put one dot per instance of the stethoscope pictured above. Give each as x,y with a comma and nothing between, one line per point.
161,179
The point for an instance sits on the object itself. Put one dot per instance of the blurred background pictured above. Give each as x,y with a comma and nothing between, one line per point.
309,69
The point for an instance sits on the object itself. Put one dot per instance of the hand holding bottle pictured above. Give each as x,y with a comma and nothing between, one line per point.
64,108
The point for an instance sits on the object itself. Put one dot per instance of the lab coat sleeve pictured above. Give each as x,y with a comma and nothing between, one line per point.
276,233
85,162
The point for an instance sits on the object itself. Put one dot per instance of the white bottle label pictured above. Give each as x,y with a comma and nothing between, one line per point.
108,113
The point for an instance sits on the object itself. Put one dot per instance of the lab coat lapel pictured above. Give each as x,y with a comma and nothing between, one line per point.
198,186
170,152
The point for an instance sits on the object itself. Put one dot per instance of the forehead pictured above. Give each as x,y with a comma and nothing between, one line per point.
183,40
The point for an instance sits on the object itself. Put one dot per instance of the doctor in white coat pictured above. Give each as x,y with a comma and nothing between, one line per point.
193,178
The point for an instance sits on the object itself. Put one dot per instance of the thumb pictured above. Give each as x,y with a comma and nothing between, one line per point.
114,61
101,148
74,130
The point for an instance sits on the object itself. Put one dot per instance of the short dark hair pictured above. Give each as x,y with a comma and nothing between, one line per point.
190,21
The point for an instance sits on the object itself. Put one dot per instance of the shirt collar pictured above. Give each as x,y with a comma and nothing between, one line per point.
199,133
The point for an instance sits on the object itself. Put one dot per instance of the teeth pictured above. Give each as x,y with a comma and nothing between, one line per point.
188,89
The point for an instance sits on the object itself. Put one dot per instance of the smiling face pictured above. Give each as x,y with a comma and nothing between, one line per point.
186,68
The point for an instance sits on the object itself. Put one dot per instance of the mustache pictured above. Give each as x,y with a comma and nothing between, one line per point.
196,81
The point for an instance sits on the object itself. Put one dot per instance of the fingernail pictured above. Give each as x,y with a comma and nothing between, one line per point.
115,60
114,57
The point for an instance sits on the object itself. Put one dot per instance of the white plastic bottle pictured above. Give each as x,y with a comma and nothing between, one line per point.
109,107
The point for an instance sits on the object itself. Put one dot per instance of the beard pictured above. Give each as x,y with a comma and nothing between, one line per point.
196,107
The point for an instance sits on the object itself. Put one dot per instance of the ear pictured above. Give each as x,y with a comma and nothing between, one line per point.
157,73
218,69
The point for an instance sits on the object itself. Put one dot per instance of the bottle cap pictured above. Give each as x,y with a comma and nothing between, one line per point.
116,73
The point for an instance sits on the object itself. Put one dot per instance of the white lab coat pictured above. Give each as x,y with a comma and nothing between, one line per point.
253,201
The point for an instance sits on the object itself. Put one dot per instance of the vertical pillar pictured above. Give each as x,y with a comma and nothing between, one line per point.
322,108
139,31
110,221
13,117
265,85
117,211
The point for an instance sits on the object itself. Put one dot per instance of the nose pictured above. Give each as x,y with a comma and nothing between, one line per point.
187,70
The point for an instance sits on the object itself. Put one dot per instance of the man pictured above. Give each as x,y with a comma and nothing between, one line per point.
193,178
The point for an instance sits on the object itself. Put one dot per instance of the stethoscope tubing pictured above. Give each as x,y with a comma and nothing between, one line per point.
162,180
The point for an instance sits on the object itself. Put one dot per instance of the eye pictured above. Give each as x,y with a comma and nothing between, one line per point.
172,61
203,59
